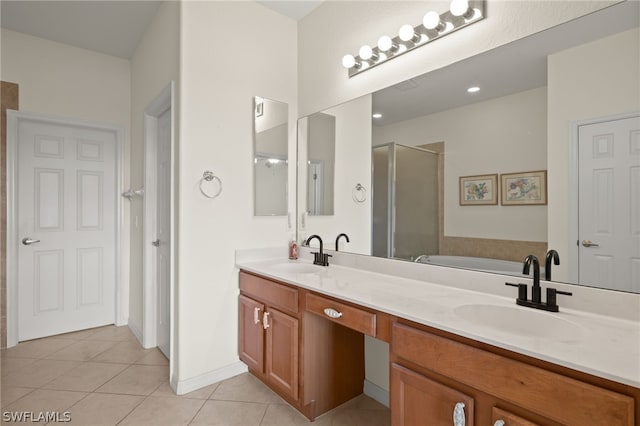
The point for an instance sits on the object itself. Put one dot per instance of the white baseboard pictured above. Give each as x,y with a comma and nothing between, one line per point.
136,332
376,392
195,383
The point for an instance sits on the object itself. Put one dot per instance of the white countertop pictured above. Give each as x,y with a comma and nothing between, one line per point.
600,345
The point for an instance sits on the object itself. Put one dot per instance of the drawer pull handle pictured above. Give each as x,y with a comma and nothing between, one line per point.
499,423
332,313
256,315
458,414
265,320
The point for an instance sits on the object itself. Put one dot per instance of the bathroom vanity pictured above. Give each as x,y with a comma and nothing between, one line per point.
302,328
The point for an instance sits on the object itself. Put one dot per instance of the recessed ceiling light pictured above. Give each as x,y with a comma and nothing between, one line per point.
377,115
473,89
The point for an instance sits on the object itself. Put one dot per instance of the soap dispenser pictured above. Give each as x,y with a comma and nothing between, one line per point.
293,248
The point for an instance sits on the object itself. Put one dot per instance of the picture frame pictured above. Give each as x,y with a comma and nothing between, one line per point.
524,188
479,190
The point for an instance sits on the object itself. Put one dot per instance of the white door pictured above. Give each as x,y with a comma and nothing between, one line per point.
66,191
163,231
609,204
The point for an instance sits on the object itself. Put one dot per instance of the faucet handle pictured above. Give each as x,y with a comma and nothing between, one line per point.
522,290
551,297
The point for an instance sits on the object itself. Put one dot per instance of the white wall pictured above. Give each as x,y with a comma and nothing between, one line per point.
352,166
229,53
154,64
63,81
593,80
501,135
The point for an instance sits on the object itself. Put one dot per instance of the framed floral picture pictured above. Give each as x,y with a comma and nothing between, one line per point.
525,188
478,190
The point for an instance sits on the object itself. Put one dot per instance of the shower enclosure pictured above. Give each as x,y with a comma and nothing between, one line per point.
405,201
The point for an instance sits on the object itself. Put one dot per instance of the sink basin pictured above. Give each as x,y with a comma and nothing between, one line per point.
519,321
296,268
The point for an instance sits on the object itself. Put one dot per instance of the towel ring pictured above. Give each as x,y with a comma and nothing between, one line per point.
359,193
208,177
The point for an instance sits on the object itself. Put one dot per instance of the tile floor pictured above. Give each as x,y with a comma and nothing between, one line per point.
103,376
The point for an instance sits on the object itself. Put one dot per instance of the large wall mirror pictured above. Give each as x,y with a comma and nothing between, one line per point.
545,155
270,161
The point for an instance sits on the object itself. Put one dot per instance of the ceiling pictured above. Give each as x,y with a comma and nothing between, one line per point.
111,27
515,67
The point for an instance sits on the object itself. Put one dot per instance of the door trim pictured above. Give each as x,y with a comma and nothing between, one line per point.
574,169
121,240
163,102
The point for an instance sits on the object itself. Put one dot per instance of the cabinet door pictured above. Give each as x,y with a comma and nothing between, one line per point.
504,418
251,334
282,351
417,400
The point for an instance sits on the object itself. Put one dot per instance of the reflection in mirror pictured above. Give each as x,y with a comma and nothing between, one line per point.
538,98
321,151
270,162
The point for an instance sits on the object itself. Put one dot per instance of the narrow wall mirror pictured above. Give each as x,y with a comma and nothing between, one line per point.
270,168
321,151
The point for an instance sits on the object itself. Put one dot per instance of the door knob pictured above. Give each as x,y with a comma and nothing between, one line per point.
155,243
28,241
588,243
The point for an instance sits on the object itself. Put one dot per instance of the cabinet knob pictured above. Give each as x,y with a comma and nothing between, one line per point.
332,313
256,315
265,320
458,414
499,423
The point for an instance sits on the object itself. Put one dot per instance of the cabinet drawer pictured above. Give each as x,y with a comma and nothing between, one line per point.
508,418
551,395
349,316
269,292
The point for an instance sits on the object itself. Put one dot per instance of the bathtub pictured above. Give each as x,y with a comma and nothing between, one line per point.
495,266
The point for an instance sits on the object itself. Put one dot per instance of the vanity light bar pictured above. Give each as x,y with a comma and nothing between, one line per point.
461,13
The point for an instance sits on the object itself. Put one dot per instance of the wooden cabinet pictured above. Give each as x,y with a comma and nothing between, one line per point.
417,400
268,338
505,418
493,380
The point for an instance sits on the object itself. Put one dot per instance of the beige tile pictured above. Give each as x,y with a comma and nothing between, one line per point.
82,350
246,388
38,373
82,334
122,352
154,357
11,394
42,400
286,415
38,348
363,402
99,409
113,333
230,413
163,411
86,377
9,365
166,391
136,380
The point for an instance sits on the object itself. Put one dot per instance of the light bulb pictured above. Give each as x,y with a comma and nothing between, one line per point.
366,52
459,7
376,115
473,89
431,20
385,43
348,61
406,32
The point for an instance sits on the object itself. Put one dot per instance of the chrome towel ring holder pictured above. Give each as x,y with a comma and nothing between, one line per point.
359,194
208,176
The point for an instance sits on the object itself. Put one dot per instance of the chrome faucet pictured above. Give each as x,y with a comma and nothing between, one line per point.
535,290
536,299
319,258
338,238
551,255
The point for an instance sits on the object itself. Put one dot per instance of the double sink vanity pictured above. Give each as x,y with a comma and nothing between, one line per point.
454,351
